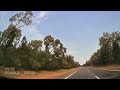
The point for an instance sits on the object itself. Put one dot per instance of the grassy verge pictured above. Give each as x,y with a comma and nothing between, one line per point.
109,67
39,74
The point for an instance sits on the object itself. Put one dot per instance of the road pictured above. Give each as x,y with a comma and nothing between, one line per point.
92,73
1,77
89,73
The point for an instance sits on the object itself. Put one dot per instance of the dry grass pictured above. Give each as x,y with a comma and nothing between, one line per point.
40,74
110,67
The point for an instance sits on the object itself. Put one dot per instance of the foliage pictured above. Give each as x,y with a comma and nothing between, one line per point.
109,52
29,55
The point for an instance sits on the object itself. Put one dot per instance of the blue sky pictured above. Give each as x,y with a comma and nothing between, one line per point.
79,31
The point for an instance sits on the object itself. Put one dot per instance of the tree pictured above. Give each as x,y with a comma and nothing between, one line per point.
0,37
48,42
36,44
10,38
24,54
30,55
13,33
21,19
105,43
116,47
109,52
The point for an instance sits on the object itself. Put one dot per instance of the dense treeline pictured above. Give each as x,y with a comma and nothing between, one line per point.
47,54
109,52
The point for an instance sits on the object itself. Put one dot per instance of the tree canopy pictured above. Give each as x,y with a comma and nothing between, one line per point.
109,52
29,55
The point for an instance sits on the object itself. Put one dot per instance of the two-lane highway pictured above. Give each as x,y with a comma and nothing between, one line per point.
92,73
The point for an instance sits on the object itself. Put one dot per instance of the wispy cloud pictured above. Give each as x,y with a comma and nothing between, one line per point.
42,16
33,29
32,33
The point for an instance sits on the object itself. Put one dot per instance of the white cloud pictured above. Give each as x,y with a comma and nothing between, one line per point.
42,16
33,29
33,32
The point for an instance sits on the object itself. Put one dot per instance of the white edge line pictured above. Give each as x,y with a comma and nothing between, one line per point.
97,77
70,75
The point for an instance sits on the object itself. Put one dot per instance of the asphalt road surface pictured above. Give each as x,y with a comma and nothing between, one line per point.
1,77
92,73
89,73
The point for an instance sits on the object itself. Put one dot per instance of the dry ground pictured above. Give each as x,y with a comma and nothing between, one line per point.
38,75
109,67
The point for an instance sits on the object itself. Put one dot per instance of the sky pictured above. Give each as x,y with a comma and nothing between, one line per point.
79,31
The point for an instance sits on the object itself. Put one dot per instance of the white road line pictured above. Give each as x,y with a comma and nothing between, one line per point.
70,75
97,77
